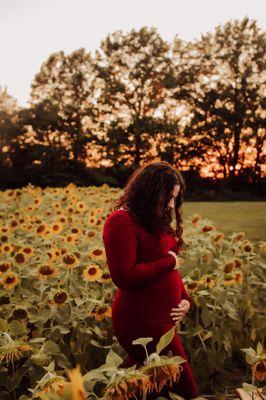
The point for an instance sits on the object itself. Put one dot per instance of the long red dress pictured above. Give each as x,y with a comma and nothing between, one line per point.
148,288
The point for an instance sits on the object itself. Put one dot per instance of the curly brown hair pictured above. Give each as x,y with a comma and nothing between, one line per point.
147,194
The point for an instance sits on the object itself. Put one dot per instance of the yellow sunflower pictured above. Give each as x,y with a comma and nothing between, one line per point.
81,206
207,281
47,271
10,280
239,236
105,277
259,370
20,259
41,229
5,267
191,286
207,228
60,298
247,247
91,273
238,263
54,384
97,253
229,280
218,238
125,385
11,349
70,260
101,312
195,219
7,248
56,227
228,267
92,220
77,387
28,251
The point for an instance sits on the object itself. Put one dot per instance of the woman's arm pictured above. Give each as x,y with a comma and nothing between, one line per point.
121,252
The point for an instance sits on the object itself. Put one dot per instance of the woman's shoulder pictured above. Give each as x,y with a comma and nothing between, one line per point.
118,215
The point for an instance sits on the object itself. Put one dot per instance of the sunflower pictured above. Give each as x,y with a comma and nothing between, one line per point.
92,220
239,236
228,267
92,233
91,273
101,312
229,280
105,277
42,229
97,253
20,314
238,263
54,253
11,350
52,384
7,248
76,231
56,227
10,280
77,387
195,219
247,247
20,258
207,281
218,238
47,271
4,267
162,370
207,228
70,261
37,201
28,251
192,286
81,206
3,238
126,383
60,298
71,238
259,370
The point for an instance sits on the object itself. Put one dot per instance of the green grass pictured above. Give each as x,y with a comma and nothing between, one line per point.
229,217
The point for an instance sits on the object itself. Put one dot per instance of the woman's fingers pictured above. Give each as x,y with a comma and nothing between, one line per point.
178,312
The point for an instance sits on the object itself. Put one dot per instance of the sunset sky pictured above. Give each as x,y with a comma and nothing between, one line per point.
30,30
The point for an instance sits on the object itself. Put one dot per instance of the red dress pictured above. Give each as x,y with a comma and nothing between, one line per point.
148,288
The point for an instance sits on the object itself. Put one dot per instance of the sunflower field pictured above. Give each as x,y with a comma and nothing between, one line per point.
56,295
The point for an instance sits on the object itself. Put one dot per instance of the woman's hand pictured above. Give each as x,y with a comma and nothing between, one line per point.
176,259
179,313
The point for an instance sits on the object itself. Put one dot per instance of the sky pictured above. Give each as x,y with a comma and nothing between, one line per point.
30,30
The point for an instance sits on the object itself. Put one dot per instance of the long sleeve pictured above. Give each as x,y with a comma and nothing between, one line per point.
185,295
121,253
175,245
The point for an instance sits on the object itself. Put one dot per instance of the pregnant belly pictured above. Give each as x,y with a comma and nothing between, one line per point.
152,302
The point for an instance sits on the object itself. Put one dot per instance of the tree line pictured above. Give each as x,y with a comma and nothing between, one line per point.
200,105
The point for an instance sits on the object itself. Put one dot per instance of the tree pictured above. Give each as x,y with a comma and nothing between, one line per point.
228,96
134,75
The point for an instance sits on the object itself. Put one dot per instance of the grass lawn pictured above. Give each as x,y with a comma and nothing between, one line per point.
235,216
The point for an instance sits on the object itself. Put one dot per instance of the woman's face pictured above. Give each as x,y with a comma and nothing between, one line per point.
175,192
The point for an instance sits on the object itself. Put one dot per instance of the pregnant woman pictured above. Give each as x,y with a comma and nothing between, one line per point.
141,250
